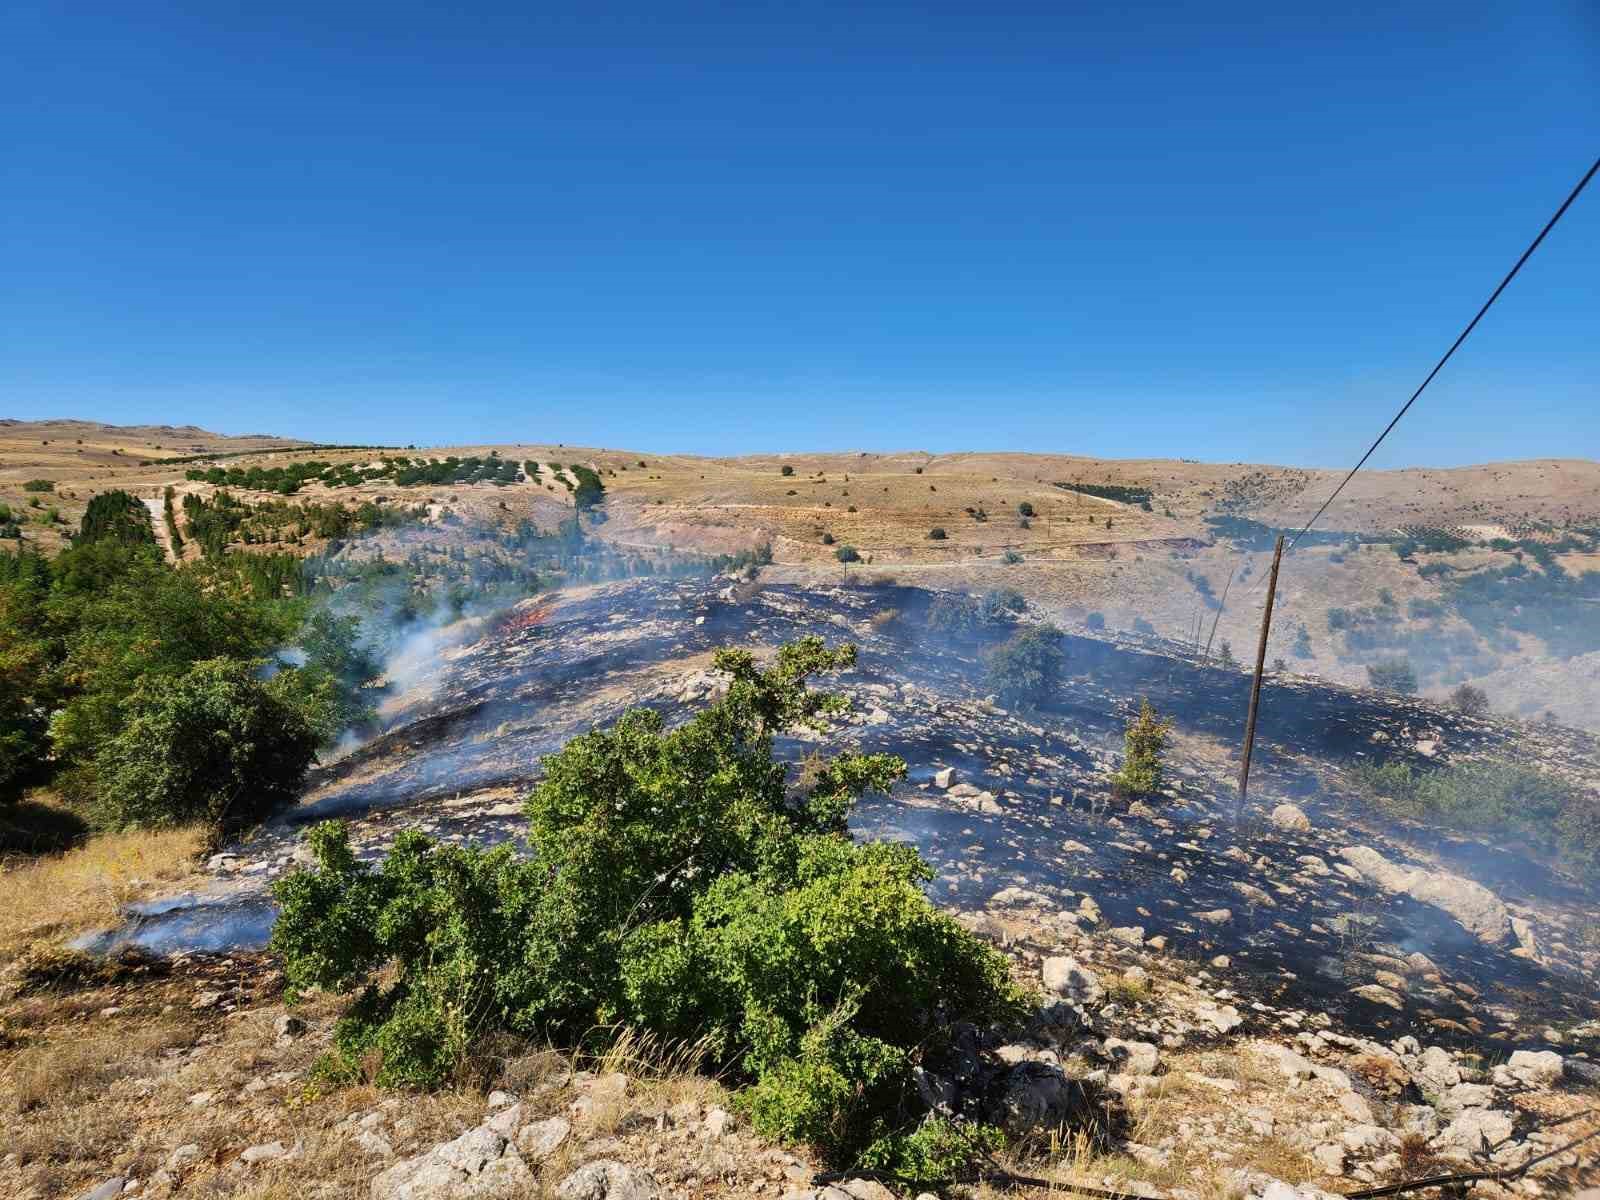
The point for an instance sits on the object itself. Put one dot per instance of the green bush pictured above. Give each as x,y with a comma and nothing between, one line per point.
937,534
1491,798
214,745
39,485
1027,668
1144,742
1393,675
786,470
672,882
1011,558
116,517
847,554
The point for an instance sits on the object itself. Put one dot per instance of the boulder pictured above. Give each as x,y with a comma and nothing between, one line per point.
538,1140
1135,1058
1534,1068
1474,907
1066,977
606,1179
943,779
105,1191
1288,816
478,1165
1476,1129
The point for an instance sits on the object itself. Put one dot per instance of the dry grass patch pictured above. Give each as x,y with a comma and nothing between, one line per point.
84,887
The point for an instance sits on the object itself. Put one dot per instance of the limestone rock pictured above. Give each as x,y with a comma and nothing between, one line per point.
1066,977
1474,907
1534,1068
606,1179
1288,816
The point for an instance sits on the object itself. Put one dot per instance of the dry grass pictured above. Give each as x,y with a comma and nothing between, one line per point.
67,893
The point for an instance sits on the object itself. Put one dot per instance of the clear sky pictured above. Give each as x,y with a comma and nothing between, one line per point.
1236,232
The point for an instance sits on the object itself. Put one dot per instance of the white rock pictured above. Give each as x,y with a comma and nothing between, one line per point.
1137,1058
374,1143
1475,1128
943,779
718,1123
1288,816
1474,907
105,1191
606,1179
1066,977
266,1152
1128,935
1534,1068
539,1139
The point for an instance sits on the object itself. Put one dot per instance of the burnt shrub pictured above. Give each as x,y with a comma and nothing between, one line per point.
672,884
1026,669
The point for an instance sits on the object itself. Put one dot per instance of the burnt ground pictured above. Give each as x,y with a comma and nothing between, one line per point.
1031,807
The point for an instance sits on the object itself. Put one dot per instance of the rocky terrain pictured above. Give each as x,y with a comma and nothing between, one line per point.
1230,1002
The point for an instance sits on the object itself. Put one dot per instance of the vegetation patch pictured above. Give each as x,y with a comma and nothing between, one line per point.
672,884
1501,798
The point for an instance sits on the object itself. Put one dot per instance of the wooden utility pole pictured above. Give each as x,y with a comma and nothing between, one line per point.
1255,687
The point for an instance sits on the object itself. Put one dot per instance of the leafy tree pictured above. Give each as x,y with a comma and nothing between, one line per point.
26,685
214,745
1393,675
1144,742
1027,668
847,554
674,883
130,619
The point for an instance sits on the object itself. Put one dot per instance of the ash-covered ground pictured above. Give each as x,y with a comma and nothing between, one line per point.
1394,930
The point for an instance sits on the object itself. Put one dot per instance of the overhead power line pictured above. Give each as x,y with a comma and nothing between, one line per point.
1454,346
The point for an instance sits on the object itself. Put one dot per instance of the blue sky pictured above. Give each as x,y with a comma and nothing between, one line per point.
1235,232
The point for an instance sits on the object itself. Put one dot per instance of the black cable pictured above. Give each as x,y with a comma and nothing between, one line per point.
1454,346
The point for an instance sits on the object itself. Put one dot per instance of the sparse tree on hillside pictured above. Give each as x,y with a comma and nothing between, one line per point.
1473,702
1144,745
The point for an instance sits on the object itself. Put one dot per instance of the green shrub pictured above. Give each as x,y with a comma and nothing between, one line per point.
214,745
936,1152
39,485
1393,675
671,883
1025,509
786,470
1011,558
937,534
847,554
1144,743
1027,668
827,539
1491,798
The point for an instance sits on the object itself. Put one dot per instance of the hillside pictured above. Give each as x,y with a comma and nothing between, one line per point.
1135,541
